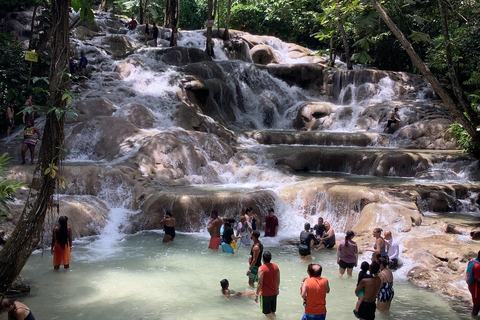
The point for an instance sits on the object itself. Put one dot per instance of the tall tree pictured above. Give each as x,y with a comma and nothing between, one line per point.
226,33
26,235
470,124
172,9
341,28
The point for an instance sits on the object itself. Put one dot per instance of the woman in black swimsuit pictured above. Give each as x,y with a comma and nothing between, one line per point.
168,226
16,310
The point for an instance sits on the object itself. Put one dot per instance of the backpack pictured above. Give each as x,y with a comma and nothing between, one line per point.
469,273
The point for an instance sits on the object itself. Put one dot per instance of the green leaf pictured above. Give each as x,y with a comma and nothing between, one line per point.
90,15
362,58
76,5
419,37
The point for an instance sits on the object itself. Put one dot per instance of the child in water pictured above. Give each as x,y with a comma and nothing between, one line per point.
227,293
362,274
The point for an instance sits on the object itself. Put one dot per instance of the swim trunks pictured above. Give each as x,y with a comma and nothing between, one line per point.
254,274
386,292
170,231
367,310
345,265
390,121
307,316
268,304
214,243
304,252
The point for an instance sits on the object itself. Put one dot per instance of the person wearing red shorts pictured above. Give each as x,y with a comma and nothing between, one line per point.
213,228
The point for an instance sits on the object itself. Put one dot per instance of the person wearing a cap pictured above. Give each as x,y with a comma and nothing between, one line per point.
271,224
347,254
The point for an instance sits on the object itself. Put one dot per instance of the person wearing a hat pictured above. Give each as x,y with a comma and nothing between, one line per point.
228,237
347,254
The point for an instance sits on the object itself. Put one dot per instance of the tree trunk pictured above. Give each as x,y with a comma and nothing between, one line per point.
331,62
32,25
140,11
226,33
209,46
345,41
27,233
166,21
172,18
456,86
456,111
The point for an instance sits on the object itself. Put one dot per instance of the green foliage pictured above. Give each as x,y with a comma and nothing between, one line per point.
84,7
290,20
8,187
193,14
464,140
13,72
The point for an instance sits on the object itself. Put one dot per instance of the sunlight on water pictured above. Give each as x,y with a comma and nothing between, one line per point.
146,279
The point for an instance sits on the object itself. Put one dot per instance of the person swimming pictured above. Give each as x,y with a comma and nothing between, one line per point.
227,293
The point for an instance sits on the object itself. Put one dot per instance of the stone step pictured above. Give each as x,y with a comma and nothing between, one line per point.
360,139
364,161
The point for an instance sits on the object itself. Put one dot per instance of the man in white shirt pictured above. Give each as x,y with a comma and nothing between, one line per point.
393,250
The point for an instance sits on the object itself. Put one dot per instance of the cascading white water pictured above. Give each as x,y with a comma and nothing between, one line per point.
120,269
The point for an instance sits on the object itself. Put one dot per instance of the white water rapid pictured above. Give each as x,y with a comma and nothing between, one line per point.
174,130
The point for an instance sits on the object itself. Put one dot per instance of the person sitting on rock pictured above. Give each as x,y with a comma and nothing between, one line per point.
394,118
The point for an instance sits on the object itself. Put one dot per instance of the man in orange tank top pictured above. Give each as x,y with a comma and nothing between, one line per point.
314,292
267,288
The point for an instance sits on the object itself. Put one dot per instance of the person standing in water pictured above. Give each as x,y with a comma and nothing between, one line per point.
16,310
306,240
370,287
244,230
255,258
155,34
147,33
168,226
380,246
385,296
347,254
268,286
30,141
61,244
314,292
251,217
271,224
213,227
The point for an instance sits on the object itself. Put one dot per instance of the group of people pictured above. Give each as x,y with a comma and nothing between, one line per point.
132,25
375,282
322,236
374,285
222,231
81,68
